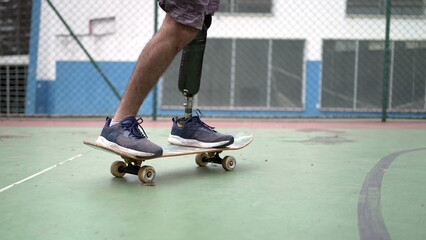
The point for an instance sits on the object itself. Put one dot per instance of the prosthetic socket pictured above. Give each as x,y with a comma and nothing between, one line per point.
191,67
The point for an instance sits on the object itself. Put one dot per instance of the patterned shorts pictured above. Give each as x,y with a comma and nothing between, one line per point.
190,12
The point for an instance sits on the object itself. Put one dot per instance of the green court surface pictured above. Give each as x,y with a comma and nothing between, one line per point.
312,182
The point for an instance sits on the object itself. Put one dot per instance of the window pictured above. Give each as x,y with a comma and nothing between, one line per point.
13,80
15,21
378,7
409,75
101,26
246,6
352,75
244,73
338,71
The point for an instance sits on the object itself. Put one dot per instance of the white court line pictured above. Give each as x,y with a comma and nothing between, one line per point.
41,172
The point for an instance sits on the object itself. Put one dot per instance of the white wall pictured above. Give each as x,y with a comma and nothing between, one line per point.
134,27
312,20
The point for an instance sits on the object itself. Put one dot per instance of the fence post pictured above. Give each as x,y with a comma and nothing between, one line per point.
155,93
387,63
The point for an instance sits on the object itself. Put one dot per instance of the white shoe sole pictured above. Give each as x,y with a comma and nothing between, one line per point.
104,142
176,140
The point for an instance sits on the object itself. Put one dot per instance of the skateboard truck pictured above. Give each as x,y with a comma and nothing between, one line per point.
146,174
228,162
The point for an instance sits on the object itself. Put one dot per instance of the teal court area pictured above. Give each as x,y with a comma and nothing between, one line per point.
307,179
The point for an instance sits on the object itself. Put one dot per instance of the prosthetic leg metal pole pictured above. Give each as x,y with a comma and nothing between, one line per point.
187,104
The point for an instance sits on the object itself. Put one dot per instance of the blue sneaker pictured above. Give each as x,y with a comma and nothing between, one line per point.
126,136
195,133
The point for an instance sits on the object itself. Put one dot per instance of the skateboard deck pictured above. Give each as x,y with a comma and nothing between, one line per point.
132,164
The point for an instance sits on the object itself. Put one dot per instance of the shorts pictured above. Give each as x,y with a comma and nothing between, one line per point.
190,12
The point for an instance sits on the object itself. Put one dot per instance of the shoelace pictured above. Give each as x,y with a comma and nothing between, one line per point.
135,129
201,123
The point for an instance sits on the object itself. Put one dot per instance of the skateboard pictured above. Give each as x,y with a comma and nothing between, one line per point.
146,174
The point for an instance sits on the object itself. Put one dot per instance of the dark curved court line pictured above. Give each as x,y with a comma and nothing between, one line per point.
370,220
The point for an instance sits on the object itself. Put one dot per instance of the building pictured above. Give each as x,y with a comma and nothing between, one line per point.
292,58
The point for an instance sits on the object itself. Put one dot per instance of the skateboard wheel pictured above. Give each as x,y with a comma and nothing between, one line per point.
115,169
146,174
199,159
229,163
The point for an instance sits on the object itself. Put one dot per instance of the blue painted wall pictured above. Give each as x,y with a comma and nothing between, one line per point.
79,89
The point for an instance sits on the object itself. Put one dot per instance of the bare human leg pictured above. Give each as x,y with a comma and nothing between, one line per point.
152,62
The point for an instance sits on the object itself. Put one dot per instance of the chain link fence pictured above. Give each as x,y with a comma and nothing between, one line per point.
264,58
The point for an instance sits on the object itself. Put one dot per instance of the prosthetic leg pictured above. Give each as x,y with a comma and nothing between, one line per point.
191,131
191,67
